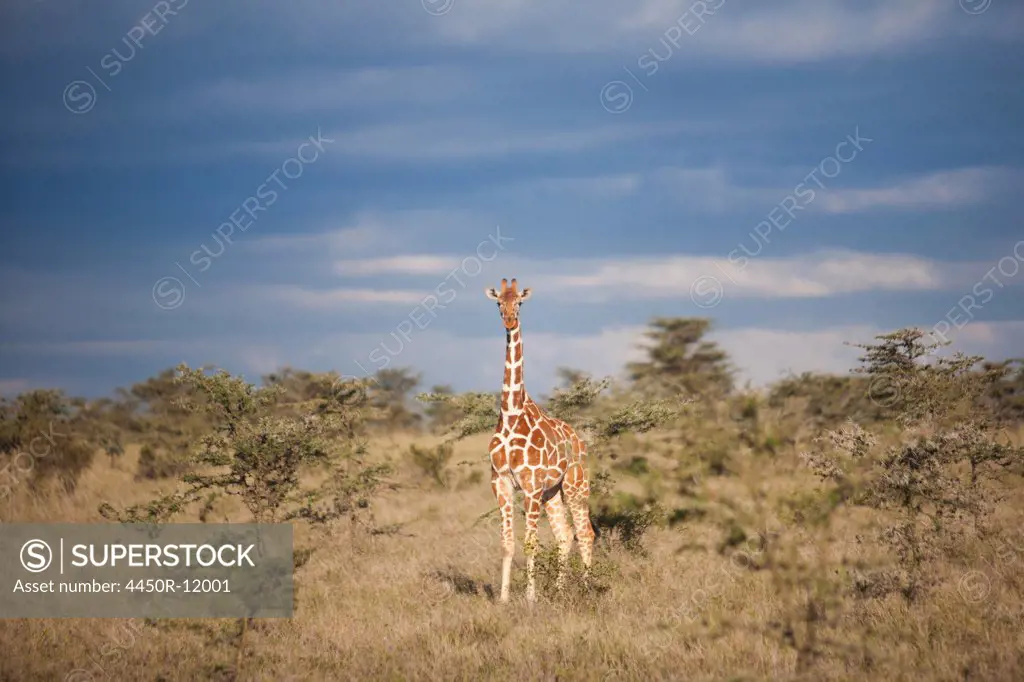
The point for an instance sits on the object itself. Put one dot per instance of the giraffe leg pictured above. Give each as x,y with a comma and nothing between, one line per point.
502,488
577,496
555,510
532,507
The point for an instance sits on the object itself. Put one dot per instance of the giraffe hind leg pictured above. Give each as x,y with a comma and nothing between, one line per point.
562,531
577,498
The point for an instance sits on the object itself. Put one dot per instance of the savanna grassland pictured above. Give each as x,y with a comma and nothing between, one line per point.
859,527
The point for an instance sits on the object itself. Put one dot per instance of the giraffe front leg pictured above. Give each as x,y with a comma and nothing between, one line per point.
532,506
504,493
555,510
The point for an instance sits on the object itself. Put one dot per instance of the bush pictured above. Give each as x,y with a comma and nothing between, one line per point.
44,437
433,462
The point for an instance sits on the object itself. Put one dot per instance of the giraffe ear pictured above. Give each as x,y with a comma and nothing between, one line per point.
492,293
525,294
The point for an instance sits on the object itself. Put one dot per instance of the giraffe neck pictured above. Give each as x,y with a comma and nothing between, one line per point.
513,389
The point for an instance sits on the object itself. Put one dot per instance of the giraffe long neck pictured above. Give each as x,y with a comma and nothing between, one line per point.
513,389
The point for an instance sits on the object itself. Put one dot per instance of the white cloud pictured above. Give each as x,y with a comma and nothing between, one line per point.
997,340
709,189
745,272
259,359
785,31
808,276
946,189
765,355
374,231
713,189
593,187
811,30
781,31
327,299
414,264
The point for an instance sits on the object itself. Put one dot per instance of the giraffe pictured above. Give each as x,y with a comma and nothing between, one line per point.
537,454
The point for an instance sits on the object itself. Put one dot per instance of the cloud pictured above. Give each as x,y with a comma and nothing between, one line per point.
1005,336
741,273
713,189
709,189
261,359
441,139
807,276
370,231
766,355
13,387
416,264
344,240
808,31
946,189
614,186
327,299
787,31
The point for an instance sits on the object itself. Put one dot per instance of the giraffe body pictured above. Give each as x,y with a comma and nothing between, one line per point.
539,455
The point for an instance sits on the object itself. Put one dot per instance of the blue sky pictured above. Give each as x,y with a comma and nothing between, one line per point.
806,173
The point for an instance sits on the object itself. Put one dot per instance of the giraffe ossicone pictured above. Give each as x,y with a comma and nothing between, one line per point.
539,455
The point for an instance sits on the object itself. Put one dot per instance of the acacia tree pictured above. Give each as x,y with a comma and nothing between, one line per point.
681,361
389,395
441,414
940,403
258,448
149,412
1006,396
45,436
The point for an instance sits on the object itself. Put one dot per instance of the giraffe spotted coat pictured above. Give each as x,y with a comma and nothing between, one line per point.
539,455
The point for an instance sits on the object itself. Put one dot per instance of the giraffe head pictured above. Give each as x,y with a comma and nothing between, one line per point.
509,299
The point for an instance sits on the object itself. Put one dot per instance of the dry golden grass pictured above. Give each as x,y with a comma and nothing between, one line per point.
415,605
